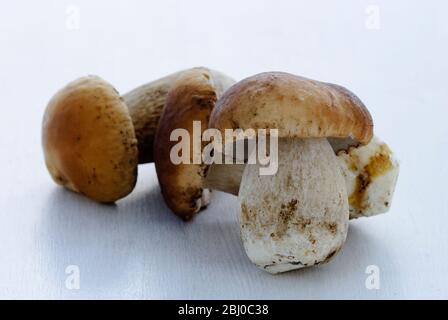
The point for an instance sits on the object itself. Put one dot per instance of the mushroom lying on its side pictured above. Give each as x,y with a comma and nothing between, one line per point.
192,98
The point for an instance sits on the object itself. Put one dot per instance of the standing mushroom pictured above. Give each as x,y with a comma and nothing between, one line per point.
299,216
93,139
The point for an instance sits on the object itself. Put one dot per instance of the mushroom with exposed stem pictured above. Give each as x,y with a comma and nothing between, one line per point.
297,217
93,139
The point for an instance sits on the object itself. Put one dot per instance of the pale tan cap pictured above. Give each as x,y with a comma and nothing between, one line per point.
297,107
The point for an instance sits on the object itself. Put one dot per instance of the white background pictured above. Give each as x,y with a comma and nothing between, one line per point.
138,249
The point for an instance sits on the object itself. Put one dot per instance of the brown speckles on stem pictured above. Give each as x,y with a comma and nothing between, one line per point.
331,227
244,213
289,182
312,239
302,223
287,212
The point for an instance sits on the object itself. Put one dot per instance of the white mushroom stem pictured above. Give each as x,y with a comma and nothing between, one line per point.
370,174
299,216
145,104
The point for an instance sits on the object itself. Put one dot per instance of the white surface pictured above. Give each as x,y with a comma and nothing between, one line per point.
138,249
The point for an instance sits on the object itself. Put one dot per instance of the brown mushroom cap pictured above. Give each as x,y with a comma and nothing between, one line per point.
89,141
191,98
297,107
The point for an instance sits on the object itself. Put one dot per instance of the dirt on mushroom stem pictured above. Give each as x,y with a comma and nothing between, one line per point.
298,217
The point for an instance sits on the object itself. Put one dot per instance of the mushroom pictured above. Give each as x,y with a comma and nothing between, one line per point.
191,98
89,141
93,139
299,216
